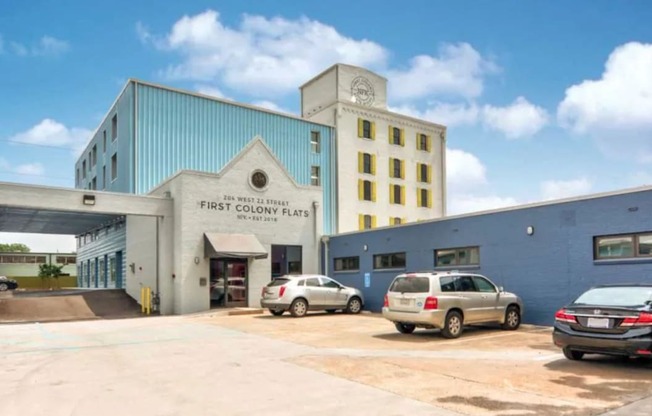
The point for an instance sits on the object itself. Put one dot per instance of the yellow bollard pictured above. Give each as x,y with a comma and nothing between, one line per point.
142,299
148,292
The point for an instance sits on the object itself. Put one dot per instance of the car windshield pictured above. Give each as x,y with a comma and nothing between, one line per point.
633,296
410,285
278,282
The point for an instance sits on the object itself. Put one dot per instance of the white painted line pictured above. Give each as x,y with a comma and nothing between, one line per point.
548,357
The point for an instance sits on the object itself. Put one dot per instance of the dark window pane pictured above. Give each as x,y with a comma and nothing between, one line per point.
483,285
329,283
411,285
447,284
347,263
367,190
312,282
276,282
445,257
464,284
617,296
614,247
396,133
645,245
366,129
367,163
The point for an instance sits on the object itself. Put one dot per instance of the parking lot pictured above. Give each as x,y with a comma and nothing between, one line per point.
486,371
319,365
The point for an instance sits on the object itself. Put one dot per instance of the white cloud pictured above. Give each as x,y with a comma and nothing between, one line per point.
52,133
271,106
517,120
30,169
46,243
210,90
443,113
261,56
143,33
565,189
466,203
46,46
459,70
616,109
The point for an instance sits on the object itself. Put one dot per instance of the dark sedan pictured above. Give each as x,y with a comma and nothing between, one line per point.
7,284
611,320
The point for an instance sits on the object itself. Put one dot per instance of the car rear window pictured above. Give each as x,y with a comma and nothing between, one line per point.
277,282
410,285
633,296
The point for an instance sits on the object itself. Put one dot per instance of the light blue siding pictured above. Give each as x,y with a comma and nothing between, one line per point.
107,243
178,131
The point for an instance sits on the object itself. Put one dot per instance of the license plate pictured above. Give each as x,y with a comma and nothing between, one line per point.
405,302
598,323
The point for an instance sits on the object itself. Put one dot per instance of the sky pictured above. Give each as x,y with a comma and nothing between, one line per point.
542,99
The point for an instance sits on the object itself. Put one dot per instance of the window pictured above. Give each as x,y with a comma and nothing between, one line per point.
112,271
366,222
326,282
389,261
94,183
103,177
447,283
424,199
94,156
366,129
410,285
396,221
314,176
464,284
423,142
114,127
396,194
342,264
623,246
366,163
395,136
315,142
464,256
396,168
77,177
114,167
84,169
104,140
366,190
312,282
484,285
424,172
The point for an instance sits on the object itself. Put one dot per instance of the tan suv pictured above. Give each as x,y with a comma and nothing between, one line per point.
448,301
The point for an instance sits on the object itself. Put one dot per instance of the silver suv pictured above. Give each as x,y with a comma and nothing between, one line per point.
448,301
301,293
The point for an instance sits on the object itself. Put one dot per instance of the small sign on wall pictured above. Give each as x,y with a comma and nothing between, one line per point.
367,280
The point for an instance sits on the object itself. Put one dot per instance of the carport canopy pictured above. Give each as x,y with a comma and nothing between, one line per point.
42,221
233,245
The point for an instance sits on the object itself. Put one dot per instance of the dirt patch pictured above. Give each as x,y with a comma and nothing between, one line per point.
495,387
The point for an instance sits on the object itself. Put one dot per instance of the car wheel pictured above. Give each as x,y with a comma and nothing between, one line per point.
331,310
299,308
512,319
453,326
405,328
276,312
572,355
4,287
354,306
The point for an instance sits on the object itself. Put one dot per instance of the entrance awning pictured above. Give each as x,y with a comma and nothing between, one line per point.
233,245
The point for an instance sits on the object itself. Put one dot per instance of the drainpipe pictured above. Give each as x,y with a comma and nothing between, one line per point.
324,240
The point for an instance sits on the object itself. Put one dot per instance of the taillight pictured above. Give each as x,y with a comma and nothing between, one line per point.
386,302
563,316
281,291
431,303
644,319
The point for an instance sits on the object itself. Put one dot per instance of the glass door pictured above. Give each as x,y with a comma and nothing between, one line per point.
228,282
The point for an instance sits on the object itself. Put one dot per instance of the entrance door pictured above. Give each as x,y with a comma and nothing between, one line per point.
228,282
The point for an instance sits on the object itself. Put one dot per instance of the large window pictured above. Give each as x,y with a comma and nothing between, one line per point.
463,256
22,259
314,176
389,261
423,142
367,165
84,169
396,168
315,141
366,129
395,136
396,194
424,199
342,264
423,172
65,260
94,156
367,190
623,246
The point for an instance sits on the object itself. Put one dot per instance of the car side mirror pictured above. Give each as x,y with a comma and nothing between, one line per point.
501,289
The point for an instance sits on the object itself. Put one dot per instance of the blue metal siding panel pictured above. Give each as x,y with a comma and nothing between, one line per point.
180,131
122,146
547,269
107,244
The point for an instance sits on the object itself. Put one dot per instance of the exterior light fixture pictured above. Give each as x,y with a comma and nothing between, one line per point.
196,260
88,199
365,247
529,230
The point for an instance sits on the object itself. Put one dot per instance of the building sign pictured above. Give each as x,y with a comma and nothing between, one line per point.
250,208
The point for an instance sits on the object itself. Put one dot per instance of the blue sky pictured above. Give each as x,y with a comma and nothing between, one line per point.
543,99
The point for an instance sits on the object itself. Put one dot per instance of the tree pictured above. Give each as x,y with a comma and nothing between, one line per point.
48,271
14,248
